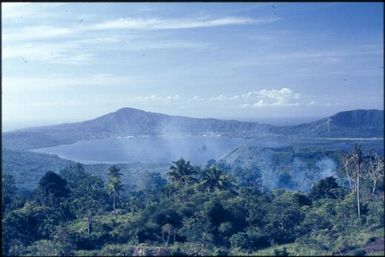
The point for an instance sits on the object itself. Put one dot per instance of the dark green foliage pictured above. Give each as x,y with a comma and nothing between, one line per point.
250,240
27,167
326,188
88,192
283,219
151,181
52,189
44,248
248,177
283,252
200,211
359,252
181,173
302,199
214,179
8,192
65,241
29,224
241,240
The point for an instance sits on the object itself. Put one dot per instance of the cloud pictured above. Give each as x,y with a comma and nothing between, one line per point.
162,44
72,49
63,53
43,84
68,45
134,24
16,11
327,57
157,99
168,24
80,52
38,33
197,98
253,99
263,98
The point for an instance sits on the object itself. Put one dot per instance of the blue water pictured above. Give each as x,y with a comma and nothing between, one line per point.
165,149
197,149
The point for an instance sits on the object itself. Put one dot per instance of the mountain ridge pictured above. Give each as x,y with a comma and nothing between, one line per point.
354,123
129,121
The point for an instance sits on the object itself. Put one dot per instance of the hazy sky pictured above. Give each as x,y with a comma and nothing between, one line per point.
74,61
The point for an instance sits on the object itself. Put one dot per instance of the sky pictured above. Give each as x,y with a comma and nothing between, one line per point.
69,62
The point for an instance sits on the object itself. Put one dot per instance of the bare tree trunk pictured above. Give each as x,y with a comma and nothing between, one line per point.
89,221
168,237
203,244
374,187
136,234
166,240
114,201
350,182
174,236
358,190
358,199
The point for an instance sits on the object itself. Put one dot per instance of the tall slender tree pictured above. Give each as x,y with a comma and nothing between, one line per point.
352,165
375,171
114,184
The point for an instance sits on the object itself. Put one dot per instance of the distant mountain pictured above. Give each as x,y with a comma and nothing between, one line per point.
357,123
127,122
131,122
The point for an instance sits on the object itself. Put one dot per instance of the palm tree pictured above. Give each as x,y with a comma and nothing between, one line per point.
181,172
114,184
213,178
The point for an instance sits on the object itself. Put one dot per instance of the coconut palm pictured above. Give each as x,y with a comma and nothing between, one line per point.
181,172
214,178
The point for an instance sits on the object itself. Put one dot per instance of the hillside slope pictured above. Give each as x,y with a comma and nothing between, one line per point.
131,122
357,123
127,122
289,167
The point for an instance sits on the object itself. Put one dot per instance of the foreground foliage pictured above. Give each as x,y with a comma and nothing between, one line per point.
199,211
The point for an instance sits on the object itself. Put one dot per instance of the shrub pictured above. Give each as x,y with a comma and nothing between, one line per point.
117,250
281,252
241,240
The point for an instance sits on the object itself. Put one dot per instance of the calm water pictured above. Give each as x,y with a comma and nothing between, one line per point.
197,149
165,149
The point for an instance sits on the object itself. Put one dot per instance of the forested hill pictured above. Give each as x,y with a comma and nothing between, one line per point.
27,168
357,123
130,121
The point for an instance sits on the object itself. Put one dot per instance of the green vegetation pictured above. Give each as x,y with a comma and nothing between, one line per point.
114,184
198,211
